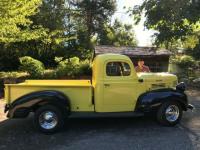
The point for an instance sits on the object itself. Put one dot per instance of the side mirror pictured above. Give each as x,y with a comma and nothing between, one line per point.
141,80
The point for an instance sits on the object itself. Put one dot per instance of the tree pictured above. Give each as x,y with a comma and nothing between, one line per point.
173,19
118,34
15,24
17,27
44,29
192,46
52,16
92,15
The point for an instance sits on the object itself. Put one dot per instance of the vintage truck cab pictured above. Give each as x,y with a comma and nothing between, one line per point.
115,88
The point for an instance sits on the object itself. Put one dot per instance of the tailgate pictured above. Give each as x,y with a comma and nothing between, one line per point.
6,94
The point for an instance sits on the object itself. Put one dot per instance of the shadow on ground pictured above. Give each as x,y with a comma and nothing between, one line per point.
95,133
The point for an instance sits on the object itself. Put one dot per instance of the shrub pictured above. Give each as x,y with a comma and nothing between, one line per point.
85,68
49,74
13,74
32,66
186,61
58,59
186,65
68,67
72,67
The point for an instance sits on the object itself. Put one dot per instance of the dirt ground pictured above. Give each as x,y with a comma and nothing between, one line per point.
125,133
2,115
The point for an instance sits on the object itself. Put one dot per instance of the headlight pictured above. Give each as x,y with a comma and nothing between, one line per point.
181,87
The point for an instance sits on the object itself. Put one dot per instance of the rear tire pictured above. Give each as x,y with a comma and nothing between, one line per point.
169,113
48,119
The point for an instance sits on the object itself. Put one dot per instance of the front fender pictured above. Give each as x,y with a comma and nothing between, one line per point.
152,100
23,105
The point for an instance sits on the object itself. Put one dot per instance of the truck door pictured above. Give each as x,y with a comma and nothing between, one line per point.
119,87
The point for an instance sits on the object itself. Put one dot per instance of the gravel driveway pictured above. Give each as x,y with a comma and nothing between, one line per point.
125,133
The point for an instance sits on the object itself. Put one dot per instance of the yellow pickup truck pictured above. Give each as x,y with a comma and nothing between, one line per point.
115,88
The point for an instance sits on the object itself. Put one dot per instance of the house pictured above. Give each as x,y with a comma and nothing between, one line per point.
156,59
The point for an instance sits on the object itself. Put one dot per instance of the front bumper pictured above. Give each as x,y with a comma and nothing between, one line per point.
190,106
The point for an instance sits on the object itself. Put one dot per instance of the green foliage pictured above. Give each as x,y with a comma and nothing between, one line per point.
195,52
14,74
185,61
72,68
186,66
68,67
171,18
88,17
32,66
49,74
85,68
191,41
93,14
58,59
118,34
15,24
51,16
45,29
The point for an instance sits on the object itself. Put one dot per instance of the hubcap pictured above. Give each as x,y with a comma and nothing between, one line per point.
48,120
172,113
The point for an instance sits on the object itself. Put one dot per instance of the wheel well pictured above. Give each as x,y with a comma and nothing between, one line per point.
64,109
179,102
182,105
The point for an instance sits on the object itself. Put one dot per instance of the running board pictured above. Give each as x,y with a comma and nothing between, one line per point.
104,114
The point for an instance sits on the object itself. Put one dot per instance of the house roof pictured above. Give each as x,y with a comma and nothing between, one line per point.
132,52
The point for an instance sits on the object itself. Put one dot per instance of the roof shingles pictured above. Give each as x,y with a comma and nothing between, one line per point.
137,51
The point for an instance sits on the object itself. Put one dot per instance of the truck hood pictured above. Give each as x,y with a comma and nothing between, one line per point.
158,80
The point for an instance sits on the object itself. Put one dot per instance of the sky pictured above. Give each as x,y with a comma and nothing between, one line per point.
143,35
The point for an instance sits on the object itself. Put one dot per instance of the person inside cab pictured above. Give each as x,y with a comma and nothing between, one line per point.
141,67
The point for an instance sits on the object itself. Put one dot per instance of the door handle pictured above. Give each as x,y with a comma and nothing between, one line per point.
106,85
140,80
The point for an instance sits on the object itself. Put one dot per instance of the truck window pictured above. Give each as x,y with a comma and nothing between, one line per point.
118,69
126,69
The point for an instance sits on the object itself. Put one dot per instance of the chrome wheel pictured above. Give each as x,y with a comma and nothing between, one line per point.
172,113
48,120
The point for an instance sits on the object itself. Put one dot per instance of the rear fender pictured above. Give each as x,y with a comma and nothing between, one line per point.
22,106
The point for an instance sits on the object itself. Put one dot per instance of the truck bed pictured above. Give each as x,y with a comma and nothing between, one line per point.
78,91
57,82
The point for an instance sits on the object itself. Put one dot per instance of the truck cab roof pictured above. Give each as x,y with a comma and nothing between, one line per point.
100,61
103,57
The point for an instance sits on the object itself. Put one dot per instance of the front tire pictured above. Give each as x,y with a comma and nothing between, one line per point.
48,119
170,113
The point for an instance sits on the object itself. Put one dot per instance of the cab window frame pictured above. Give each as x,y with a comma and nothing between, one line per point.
122,64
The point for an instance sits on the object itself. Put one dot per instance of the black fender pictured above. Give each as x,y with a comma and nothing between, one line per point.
152,100
21,107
